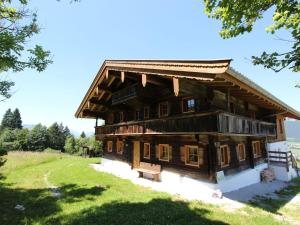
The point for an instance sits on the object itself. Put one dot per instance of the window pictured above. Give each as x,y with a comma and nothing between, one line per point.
121,117
241,152
192,155
188,105
120,147
163,109
110,118
164,152
225,155
146,150
146,112
256,149
109,146
136,115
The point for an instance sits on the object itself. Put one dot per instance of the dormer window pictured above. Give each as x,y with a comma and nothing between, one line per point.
188,105
163,109
136,115
146,112
121,117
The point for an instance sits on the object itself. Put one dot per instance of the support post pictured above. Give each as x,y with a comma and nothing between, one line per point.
212,158
144,80
122,76
228,99
176,86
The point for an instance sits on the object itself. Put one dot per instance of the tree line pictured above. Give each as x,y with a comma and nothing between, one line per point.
56,137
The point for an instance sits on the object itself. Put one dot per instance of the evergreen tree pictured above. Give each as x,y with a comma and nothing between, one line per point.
82,135
8,120
56,136
67,132
17,119
38,138
70,144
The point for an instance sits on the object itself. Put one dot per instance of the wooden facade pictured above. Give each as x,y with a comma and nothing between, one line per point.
199,117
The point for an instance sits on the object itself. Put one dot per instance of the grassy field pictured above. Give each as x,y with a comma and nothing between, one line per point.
90,197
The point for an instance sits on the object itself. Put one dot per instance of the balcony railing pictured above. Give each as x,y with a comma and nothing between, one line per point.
229,123
217,122
124,94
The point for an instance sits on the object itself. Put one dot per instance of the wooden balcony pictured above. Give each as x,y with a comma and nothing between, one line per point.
125,94
217,122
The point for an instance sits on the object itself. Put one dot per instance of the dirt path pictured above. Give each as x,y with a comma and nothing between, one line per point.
54,189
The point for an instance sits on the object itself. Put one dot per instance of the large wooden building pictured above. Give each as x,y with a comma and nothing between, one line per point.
196,117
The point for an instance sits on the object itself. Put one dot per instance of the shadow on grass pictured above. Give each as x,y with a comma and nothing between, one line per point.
155,212
279,199
39,204
72,193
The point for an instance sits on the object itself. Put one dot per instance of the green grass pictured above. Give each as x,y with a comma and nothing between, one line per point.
90,197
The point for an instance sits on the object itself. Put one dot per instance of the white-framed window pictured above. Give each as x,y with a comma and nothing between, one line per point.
109,146
146,153
120,147
192,155
225,155
164,152
256,148
241,151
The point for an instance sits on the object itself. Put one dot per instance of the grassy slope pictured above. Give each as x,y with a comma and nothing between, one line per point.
90,197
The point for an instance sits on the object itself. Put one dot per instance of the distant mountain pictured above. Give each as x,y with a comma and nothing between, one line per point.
292,129
74,132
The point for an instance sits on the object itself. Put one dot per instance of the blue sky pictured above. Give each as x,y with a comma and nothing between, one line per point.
82,35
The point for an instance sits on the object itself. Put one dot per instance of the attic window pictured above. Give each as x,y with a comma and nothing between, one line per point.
163,109
188,105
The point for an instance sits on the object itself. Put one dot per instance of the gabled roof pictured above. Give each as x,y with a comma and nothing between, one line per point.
215,73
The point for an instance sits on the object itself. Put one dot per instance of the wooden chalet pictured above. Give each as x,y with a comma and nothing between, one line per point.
195,117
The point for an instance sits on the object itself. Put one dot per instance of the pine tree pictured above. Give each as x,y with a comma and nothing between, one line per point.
17,119
38,138
55,136
67,132
82,135
8,120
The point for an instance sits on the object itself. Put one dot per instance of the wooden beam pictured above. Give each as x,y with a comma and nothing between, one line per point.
99,102
122,76
176,86
144,80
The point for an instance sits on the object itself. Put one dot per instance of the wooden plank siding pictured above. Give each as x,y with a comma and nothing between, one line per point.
217,122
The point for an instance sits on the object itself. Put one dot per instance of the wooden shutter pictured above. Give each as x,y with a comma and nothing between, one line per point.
157,151
170,152
228,154
201,156
182,154
219,155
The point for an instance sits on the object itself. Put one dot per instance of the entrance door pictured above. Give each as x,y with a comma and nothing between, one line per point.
136,154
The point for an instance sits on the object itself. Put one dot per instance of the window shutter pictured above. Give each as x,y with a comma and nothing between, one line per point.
228,154
182,154
170,152
157,151
219,155
201,156
237,152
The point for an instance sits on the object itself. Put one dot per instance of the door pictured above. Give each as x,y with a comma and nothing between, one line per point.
136,154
